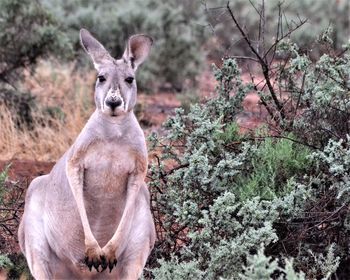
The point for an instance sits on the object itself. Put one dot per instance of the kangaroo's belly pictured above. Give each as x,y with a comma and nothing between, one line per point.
104,201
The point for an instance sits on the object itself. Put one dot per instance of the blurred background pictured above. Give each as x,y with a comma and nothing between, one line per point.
46,80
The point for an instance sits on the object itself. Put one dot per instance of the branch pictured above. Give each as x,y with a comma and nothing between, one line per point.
244,57
263,64
282,137
11,209
301,23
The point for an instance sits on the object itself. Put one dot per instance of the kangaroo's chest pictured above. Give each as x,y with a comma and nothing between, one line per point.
106,171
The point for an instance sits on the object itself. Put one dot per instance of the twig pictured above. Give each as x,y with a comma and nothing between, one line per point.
285,35
11,209
244,57
283,137
264,65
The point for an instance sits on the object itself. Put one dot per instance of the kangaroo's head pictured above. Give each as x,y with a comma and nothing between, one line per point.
115,90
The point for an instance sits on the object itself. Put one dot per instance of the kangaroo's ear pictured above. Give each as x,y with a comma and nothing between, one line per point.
137,49
94,48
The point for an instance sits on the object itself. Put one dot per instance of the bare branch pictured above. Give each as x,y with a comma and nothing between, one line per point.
284,36
264,65
244,57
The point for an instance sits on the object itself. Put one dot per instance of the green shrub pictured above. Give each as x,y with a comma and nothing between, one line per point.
5,262
21,47
20,269
220,228
270,167
219,195
177,53
260,267
27,32
178,271
324,98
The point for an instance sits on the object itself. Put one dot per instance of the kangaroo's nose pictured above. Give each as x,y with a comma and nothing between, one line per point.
113,103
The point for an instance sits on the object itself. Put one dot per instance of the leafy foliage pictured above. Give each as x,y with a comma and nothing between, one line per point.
176,55
270,168
178,271
21,47
5,262
260,266
216,222
21,105
237,192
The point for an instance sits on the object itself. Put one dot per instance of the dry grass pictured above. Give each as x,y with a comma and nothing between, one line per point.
56,86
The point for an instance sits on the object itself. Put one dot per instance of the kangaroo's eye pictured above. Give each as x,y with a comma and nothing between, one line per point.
101,78
129,80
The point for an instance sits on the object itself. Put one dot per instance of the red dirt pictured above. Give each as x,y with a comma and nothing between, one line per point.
155,109
26,169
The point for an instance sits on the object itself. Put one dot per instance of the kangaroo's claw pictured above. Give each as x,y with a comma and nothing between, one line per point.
103,263
90,267
93,256
110,265
96,264
88,263
92,263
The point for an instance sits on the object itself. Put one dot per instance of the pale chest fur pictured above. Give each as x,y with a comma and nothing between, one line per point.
107,167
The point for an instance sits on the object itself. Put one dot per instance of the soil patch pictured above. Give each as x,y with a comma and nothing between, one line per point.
26,169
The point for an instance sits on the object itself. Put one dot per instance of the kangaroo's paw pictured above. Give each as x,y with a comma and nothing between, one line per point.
109,257
93,256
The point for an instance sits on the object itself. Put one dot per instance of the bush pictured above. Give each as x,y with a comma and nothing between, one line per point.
5,262
177,52
21,47
261,267
215,225
324,99
238,191
21,106
300,93
271,166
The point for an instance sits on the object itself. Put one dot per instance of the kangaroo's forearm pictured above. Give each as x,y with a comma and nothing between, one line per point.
126,221
75,179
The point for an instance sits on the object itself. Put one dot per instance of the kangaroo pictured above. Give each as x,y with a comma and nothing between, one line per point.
93,208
